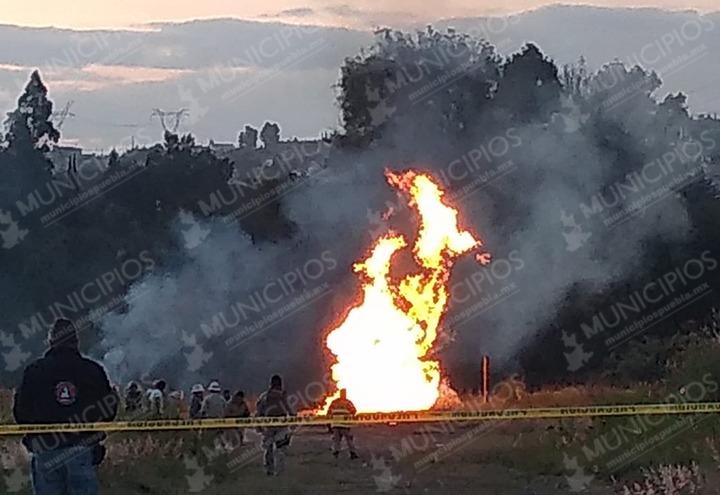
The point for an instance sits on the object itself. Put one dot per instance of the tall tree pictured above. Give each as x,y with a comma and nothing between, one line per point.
30,123
270,134
530,88
444,80
248,138
113,158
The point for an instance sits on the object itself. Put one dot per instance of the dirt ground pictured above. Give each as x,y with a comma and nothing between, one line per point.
513,458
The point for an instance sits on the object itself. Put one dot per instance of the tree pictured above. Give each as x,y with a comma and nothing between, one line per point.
270,134
113,158
530,88
248,138
444,80
575,77
617,90
30,124
175,143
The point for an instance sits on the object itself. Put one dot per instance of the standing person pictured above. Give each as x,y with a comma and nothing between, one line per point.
227,396
196,399
213,406
275,439
64,387
342,407
175,403
156,399
238,408
133,398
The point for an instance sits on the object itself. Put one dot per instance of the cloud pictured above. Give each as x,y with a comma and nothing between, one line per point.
94,77
296,12
133,75
345,10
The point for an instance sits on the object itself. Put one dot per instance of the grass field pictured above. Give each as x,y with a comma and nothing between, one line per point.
521,457
411,459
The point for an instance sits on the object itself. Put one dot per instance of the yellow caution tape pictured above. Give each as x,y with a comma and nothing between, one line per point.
372,418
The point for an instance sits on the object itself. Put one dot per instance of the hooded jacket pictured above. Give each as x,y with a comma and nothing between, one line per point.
64,387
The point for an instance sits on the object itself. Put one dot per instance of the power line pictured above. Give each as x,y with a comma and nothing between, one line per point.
60,116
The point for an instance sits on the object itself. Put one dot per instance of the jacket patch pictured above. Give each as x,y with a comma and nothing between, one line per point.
65,393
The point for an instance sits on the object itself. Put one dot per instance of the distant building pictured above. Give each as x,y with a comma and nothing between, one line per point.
65,158
221,150
72,160
286,159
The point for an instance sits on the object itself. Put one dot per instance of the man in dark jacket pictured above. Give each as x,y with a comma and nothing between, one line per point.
64,387
133,398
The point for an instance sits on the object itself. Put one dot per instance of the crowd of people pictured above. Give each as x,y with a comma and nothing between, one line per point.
63,386
213,402
156,401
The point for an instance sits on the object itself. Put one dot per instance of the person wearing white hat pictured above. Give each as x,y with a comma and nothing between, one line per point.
213,405
196,400
156,399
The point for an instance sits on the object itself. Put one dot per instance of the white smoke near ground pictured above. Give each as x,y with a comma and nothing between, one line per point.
163,306
550,181
163,329
337,211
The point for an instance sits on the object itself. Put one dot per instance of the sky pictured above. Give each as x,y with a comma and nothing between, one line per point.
85,14
113,81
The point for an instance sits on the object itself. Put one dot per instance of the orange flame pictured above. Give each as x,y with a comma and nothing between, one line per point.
382,345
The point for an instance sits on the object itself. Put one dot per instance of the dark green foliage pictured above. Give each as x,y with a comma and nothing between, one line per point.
444,80
269,134
529,90
113,158
29,124
248,138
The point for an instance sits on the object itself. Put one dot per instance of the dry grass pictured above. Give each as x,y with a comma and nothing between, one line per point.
667,480
515,457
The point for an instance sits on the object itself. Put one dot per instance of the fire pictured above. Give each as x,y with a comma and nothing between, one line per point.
382,345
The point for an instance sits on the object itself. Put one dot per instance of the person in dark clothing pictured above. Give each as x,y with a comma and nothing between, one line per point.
133,398
64,387
238,408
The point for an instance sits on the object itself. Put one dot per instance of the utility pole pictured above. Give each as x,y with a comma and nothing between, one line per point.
486,379
170,121
60,116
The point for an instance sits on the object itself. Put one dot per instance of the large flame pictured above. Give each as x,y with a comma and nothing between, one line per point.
382,345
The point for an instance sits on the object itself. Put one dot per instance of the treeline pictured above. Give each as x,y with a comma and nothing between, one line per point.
72,231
